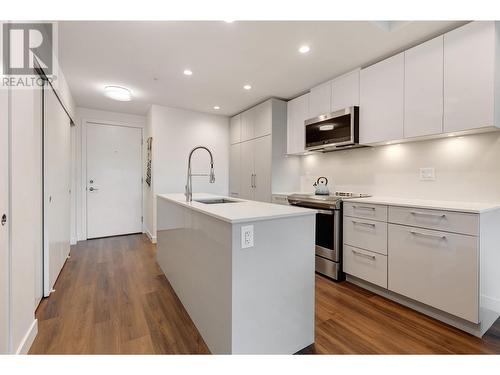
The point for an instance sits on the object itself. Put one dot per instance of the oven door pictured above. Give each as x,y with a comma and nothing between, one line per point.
336,129
328,234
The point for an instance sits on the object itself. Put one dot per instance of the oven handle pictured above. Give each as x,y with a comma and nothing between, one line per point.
324,212
311,206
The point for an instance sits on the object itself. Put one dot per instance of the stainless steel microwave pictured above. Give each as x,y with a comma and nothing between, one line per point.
333,131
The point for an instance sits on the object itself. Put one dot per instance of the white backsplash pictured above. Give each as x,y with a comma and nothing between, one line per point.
467,169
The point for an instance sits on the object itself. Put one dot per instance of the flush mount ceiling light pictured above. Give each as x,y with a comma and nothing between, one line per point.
247,87
304,49
188,72
119,93
216,107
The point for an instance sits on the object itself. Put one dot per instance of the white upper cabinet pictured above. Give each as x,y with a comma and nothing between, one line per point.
235,129
381,101
423,109
262,119
247,124
345,91
469,76
297,113
320,100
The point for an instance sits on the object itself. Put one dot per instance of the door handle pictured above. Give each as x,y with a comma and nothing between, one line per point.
4,219
254,180
92,188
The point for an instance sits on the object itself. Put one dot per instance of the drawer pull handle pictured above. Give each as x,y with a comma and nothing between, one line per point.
363,254
364,207
441,237
362,223
427,214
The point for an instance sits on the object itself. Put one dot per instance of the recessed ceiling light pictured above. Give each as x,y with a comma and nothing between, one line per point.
304,49
188,72
216,107
229,21
119,93
247,87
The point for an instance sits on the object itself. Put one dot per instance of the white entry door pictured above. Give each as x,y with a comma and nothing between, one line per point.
4,232
114,180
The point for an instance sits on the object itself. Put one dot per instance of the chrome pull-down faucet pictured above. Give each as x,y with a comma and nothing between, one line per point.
189,184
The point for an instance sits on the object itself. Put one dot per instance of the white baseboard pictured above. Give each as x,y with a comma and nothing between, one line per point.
150,236
28,338
490,303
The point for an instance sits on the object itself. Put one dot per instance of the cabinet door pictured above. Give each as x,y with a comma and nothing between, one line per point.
437,268
297,113
234,170
469,76
247,170
424,89
235,129
262,119
381,101
247,124
320,100
262,174
345,91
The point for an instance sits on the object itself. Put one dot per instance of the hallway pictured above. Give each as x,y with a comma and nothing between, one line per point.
112,298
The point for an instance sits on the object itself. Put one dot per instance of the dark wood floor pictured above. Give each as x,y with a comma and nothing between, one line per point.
111,297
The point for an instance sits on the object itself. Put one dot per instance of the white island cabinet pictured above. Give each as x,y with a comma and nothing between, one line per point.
256,299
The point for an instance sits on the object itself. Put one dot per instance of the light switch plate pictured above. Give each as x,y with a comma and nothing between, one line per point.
427,174
246,236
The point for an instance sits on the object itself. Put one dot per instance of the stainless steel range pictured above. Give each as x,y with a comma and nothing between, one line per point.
328,229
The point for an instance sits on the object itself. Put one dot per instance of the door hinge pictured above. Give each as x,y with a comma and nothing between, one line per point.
142,219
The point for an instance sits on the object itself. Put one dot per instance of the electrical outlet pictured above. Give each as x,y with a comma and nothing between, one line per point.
427,174
246,236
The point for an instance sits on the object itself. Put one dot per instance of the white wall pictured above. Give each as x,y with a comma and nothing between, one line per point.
467,168
175,132
78,216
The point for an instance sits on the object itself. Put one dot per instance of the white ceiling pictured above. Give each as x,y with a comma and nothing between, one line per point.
223,57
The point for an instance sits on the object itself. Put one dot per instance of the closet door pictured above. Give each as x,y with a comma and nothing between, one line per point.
57,184
4,232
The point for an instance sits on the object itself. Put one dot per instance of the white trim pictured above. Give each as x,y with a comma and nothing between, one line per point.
150,236
83,162
28,338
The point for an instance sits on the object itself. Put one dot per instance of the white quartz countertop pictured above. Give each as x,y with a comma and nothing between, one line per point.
459,206
239,212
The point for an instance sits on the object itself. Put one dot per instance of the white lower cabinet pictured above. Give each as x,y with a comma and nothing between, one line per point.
366,234
437,268
430,256
366,265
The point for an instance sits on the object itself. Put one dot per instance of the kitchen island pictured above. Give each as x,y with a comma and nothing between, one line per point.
247,293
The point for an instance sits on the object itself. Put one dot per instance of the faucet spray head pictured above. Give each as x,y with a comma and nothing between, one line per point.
212,174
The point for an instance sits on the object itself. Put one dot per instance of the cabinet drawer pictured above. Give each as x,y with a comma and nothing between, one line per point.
366,211
448,221
365,234
439,269
366,265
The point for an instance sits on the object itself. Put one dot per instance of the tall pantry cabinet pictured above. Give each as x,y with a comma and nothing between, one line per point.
258,148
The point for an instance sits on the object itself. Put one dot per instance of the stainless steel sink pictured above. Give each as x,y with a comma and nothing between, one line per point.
215,201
